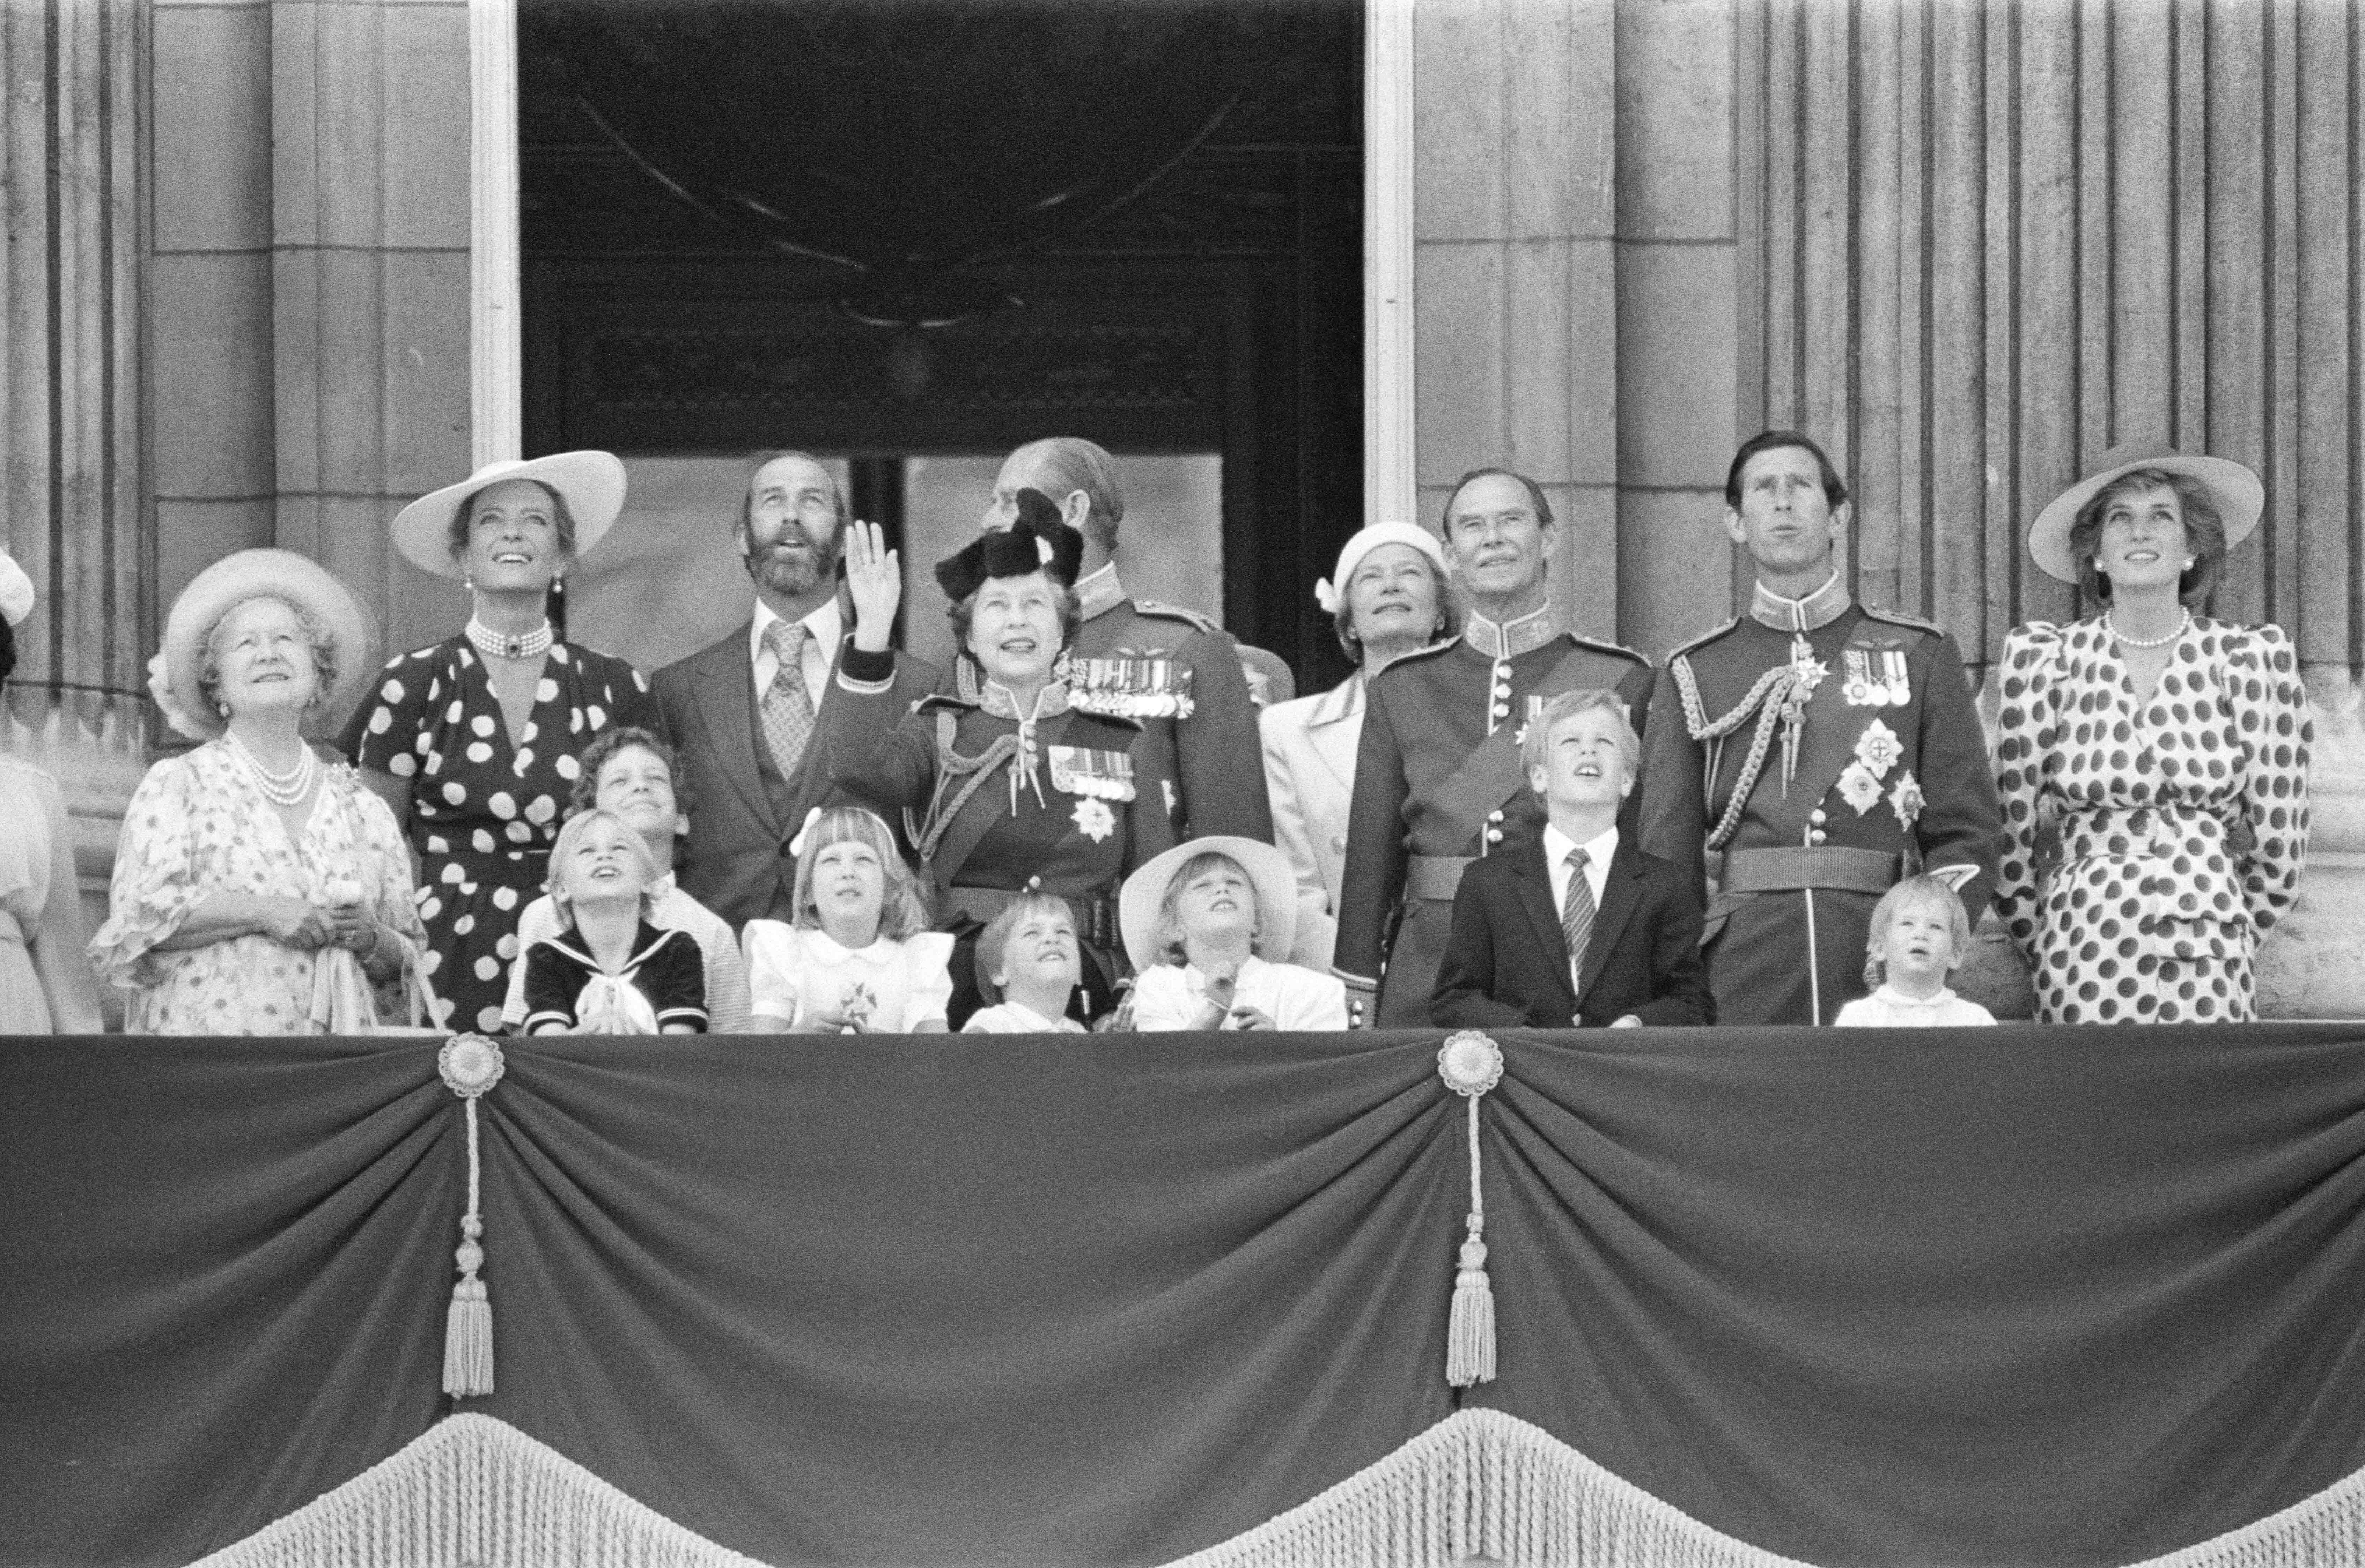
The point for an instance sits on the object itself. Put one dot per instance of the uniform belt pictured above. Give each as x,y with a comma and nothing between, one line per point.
1435,876
1095,915
1822,866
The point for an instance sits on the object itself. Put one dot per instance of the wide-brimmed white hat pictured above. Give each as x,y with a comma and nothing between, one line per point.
1330,592
231,581
590,483
15,592
2240,496
1269,873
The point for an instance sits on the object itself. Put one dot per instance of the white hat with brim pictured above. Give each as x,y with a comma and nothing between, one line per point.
1330,592
590,483
2241,499
230,582
1269,872
15,592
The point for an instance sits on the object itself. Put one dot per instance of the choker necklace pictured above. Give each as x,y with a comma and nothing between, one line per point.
493,645
280,788
2182,628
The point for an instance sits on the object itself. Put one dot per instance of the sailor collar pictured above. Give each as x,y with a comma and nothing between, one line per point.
1099,592
570,942
1814,611
1509,639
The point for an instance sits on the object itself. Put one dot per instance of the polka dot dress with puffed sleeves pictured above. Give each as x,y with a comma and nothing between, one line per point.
2152,844
484,812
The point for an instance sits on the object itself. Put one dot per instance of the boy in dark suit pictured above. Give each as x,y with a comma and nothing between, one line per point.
1576,926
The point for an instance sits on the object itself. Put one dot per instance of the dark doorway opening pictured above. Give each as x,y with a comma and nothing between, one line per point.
931,229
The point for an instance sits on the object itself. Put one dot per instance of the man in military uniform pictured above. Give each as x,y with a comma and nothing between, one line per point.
1438,779
1160,664
1807,755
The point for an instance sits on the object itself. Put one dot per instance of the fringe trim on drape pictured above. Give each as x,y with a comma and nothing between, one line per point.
472,1490
1478,1485
1484,1486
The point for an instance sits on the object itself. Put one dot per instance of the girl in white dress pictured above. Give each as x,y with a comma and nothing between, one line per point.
1200,921
1919,936
859,960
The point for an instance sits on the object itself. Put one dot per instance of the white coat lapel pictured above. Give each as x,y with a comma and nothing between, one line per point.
1334,727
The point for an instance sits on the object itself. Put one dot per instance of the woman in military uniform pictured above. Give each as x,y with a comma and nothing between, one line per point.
1006,787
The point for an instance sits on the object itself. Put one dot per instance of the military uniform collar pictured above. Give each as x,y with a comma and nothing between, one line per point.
1002,703
1509,639
1099,592
1816,610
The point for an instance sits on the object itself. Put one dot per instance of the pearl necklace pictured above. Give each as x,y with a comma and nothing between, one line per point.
493,645
286,788
2121,638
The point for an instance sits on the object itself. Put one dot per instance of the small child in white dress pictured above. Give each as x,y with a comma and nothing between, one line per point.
859,960
1919,936
1027,966
1198,921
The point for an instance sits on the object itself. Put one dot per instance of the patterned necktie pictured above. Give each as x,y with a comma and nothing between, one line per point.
1576,916
788,706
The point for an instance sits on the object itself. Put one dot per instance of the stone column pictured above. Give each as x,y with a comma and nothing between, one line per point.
1576,265
1515,272
73,501
369,219
1390,477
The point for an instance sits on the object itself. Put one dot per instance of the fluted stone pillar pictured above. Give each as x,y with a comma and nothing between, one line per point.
73,488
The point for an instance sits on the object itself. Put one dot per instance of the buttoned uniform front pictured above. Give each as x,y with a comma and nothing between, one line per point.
1439,783
1092,808
742,809
1175,670
1884,773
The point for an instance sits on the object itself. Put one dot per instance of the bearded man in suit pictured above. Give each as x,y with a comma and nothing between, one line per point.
744,712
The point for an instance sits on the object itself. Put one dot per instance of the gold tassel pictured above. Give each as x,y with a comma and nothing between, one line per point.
1470,1334
471,1065
468,1323
1471,1064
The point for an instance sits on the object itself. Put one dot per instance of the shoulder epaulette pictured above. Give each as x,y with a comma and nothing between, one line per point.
1899,618
1618,649
943,702
1175,612
1704,639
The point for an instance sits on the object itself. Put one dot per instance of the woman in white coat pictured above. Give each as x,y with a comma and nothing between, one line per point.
1391,599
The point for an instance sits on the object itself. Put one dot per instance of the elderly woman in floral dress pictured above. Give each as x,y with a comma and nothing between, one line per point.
259,890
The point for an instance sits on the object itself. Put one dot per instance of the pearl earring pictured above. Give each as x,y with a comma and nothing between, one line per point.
2188,563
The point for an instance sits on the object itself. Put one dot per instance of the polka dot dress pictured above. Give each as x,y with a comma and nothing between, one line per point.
2180,822
484,812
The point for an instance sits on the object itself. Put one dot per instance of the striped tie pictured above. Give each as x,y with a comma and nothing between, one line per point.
1577,917
788,705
